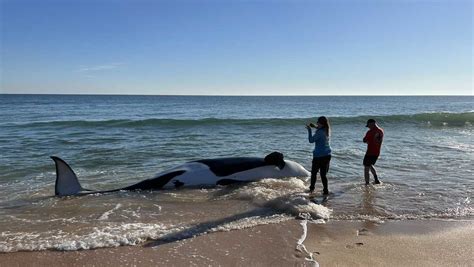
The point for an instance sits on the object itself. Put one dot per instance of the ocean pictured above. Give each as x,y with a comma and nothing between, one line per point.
426,164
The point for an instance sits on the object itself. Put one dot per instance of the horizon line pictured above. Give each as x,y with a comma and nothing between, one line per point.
230,95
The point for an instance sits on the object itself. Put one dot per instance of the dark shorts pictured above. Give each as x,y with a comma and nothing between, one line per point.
370,160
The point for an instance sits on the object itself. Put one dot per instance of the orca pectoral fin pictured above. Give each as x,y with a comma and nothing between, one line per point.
67,183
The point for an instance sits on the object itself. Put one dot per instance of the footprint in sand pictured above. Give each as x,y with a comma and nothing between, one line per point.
352,246
362,231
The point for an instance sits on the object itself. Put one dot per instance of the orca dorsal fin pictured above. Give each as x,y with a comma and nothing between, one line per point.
67,183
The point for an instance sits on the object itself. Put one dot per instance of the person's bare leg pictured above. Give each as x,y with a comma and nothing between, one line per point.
374,173
366,174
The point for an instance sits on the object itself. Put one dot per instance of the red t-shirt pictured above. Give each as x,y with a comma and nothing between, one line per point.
374,139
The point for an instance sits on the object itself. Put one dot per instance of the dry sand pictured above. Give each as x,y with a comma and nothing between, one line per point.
337,243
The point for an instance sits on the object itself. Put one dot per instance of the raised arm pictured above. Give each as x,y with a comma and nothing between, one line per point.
311,138
315,137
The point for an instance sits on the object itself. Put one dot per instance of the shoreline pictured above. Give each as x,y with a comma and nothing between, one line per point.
336,243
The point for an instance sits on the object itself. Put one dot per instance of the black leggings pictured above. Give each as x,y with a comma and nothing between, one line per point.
320,164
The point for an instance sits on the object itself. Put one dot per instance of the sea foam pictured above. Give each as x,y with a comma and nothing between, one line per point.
284,196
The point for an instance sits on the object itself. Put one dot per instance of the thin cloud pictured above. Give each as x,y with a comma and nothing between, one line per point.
100,67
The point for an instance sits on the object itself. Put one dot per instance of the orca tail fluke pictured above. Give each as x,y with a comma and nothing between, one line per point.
67,183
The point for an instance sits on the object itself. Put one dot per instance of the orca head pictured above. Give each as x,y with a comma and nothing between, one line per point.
275,158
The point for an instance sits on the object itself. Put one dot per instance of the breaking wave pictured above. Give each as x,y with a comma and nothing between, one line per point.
432,119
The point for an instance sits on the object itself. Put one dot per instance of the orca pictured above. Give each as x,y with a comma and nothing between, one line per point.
205,172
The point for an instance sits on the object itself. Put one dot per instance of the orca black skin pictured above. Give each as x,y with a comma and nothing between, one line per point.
73,184
221,171
155,183
227,166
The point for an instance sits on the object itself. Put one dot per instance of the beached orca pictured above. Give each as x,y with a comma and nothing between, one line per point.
220,171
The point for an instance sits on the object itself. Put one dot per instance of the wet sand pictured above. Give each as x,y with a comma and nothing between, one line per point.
336,243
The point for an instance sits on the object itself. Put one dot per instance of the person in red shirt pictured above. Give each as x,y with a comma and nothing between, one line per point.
373,138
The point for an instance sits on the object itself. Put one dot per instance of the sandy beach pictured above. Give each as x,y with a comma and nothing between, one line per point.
336,243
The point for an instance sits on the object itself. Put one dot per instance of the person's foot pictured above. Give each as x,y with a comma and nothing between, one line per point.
377,181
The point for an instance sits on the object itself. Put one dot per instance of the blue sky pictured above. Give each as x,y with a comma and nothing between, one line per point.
342,47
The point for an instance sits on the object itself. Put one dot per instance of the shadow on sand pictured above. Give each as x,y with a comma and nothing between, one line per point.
206,227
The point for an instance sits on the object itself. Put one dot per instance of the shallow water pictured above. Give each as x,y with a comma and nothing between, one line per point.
115,141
